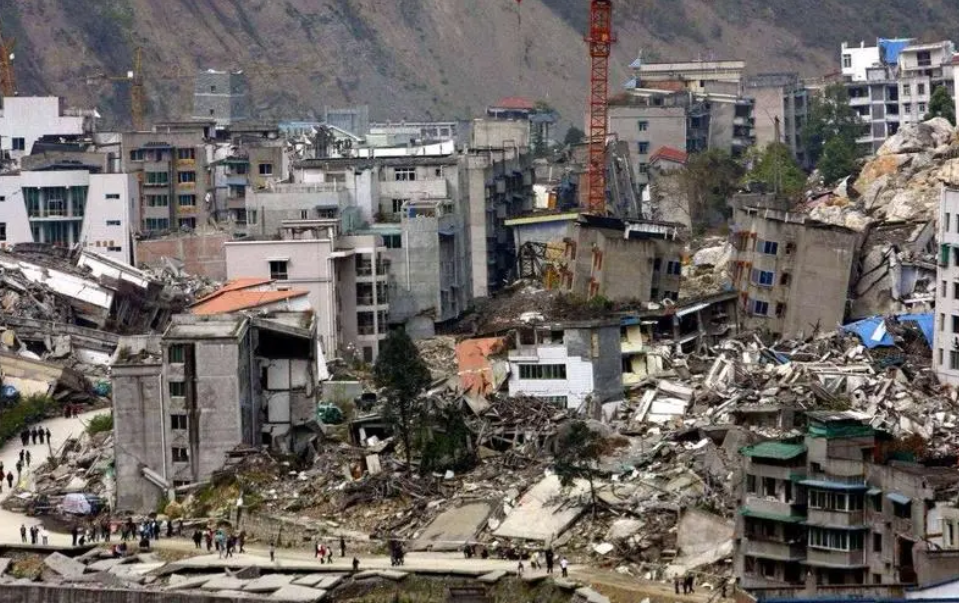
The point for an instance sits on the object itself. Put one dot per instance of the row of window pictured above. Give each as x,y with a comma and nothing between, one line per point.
767,278
674,268
157,154
834,501
542,371
838,540
164,200
759,307
158,224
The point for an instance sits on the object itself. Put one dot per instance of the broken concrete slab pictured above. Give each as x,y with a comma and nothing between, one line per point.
246,573
64,566
544,511
298,594
224,582
330,581
309,580
492,577
566,584
178,582
591,596
623,528
531,578
106,564
268,583
4,565
454,527
388,574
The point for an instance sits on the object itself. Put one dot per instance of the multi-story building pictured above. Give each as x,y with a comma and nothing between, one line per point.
834,509
68,208
722,76
182,402
568,363
171,166
26,119
792,272
619,261
876,100
922,69
346,277
247,157
391,134
945,357
781,109
221,96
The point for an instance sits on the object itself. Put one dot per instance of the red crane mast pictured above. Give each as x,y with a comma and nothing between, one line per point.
600,40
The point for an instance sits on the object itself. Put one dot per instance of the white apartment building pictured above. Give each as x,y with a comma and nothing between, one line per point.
855,60
923,68
945,356
24,119
68,208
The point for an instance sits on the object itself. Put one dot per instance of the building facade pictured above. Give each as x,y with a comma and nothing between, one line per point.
221,96
781,110
945,357
792,273
25,119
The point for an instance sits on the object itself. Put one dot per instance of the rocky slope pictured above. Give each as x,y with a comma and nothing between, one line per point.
417,58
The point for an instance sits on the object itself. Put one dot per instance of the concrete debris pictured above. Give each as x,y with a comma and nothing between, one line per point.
64,566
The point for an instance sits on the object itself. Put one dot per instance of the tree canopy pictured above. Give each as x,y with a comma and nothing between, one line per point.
578,452
941,105
830,116
776,168
402,374
574,136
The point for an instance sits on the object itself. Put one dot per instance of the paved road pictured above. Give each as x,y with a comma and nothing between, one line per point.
60,430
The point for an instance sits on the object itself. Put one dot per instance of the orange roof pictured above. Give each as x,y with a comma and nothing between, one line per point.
515,103
475,370
669,154
236,285
224,302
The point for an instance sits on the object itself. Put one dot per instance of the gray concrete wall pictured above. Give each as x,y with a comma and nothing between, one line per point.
665,126
43,593
138,439
820,289
219,371
608,366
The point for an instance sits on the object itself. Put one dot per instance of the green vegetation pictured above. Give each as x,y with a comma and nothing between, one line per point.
574,136
578,451
100,423
941,105
26,411
444,442
831,119
707,181
426,589
775,167
403,375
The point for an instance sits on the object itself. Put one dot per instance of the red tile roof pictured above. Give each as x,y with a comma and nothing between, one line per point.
475,370
669,154
516,103
224,302
237,285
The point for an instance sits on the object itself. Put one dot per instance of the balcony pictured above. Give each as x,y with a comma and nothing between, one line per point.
859,101
839,519
768,506
770,549
834,558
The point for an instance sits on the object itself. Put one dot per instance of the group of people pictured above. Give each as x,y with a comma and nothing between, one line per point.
93,532
687,582
226,544
70,411
536,559
325,553
31,435
38,534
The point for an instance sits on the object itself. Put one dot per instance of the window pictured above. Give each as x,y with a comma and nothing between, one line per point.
876,542
785,279
241,169
158,200
542,371
186,200
907,108
955,290
921,108
115,249
176,354
158,178
4,198
642,125
750,484
156,224
955,323
954,360
942,288
644,148
180,455
113,223
404,174
279,270
19,144
876,502
841,540
657,264
3,231
393,241
920,89
187,223
763,278
178,422
186,177
760,308
177,389
942,321
212,89
186,153
902,511
767,247
304,214
674,268
109,196
769,486
939,354
138,155
643,168
780,309
266,169
834,501
251,216
847,61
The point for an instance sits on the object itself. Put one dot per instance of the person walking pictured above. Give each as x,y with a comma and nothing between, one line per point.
519,569
209,540
564,567
24,436
45,536
272,552
549,560
23,533
40,434
48,435
241,540
33,535
691,580
342,540
75,532
10,479
33,435
676,584
197,538
19,468
356,565
28,457
22,451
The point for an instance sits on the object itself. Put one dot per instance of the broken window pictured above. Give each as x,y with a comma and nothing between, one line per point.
397,205
266,169
180,455
876,542
279,270
187,223
785,279
178,422
780,309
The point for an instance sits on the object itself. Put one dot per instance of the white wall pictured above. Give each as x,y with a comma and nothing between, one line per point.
13,212
576,387
947,305
30,117
861,57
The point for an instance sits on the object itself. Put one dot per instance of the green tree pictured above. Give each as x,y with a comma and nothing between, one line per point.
403,376
941,105
574,136
838,159
706,182
830,116
578,452
775,167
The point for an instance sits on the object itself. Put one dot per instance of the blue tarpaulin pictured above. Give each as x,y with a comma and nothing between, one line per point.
889,49
925,322
872,331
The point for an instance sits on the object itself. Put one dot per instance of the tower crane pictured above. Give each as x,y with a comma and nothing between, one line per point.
135,78
600,40
8,83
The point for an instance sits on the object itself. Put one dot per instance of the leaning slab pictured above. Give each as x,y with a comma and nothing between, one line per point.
225,583
329,581
297,594
566,584
492,577
106,564
453,527
591,596
4,565
376,573
268,583
178,582
64,566
544,512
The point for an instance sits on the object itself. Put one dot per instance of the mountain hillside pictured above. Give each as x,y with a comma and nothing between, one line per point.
419,59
